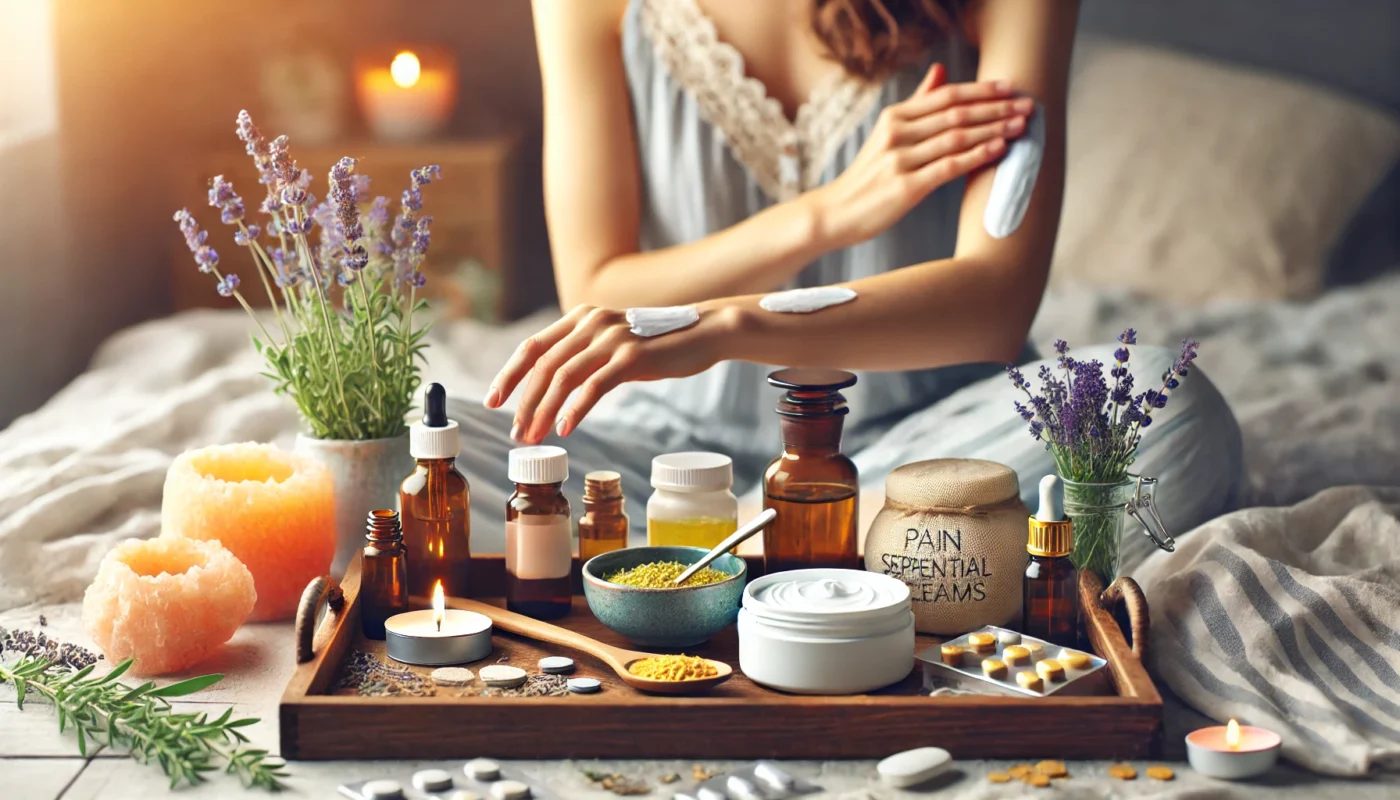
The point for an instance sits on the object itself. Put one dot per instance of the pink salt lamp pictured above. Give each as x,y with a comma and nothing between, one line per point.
168,603
273,509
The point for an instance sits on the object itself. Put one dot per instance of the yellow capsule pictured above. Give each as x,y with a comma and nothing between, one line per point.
982,642
1074,659
1030,680
952,655
1016,655
994,668
1050,670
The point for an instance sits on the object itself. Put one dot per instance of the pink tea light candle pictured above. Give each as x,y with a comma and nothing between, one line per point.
1232,752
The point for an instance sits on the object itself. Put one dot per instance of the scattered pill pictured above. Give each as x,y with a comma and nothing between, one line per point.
452,676
1159,772
584,685
1030,680
1074,659
1020,770
1016,655
1008,638
742,789
432,780
952,654
999,777
556,665
681,796
1052,769
994,668
770,774
982,642
510,790
482,769
1036,779
1123,772
382,790
1050,670
502,676
913,767
463,794
706,793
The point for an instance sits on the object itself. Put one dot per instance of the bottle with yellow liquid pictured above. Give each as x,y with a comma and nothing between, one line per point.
693,505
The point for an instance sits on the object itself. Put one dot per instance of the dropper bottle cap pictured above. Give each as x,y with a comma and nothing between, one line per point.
436,436
1050,533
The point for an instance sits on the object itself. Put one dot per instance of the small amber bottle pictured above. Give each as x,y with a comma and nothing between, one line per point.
1050,589
813,486
603,526
539,547
436,504
384,575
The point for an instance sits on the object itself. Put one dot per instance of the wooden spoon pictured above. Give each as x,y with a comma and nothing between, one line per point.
615,657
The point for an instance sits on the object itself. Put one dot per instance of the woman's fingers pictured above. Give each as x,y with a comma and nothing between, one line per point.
917,130
542,374
602,381
954,166
936,76
958,140
527,353
949,95
564,381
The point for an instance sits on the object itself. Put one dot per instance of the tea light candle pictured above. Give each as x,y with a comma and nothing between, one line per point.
437,636
406,99
1232,752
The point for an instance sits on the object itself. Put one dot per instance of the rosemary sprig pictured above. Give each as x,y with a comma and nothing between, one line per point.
141,720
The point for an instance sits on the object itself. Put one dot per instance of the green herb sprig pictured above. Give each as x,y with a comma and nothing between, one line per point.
140,720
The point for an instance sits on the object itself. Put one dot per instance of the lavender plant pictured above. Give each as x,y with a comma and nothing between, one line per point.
347,328
1093,428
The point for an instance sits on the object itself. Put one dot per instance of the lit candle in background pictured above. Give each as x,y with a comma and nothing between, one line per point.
1232,751
407,97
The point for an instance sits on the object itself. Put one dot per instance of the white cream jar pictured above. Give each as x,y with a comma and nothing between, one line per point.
826,631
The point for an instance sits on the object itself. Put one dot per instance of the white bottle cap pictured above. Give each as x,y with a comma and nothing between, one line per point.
436,436
538,465
1052,500
692,472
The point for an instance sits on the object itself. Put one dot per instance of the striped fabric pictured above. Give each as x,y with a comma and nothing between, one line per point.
1289,619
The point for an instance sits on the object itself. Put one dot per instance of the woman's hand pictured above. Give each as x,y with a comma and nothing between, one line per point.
940,133
592,350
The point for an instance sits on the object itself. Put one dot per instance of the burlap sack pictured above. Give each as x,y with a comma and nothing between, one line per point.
954,530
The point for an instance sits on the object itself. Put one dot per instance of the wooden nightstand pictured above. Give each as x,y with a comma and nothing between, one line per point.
475,266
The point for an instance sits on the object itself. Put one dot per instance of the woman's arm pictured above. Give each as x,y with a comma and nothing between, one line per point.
976,306
592,187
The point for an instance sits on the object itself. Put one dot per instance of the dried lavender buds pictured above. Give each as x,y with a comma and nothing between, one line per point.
371,677
39,644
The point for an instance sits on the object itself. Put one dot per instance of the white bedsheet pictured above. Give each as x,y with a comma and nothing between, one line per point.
1314,385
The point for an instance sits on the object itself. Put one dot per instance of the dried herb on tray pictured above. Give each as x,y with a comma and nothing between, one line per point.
617,783
371,677
140,720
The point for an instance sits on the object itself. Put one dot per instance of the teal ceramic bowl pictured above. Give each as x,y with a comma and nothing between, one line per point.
663,618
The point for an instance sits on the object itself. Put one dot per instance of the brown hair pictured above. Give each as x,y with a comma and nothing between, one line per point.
872,38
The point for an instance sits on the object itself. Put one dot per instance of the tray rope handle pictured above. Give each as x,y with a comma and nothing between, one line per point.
1125,590
322,590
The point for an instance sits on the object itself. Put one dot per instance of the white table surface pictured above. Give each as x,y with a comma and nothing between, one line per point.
39,763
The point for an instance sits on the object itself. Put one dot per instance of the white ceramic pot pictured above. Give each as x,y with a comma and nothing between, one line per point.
826,631
366,475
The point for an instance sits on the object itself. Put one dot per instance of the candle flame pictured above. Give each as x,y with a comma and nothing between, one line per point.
1232,735
439,604
405,69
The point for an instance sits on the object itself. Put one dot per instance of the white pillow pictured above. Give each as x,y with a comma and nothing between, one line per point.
1191,180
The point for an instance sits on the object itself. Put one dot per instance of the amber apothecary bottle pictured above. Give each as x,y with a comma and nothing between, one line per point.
1050,589
603,526
384,573
539,547
812,485
435,503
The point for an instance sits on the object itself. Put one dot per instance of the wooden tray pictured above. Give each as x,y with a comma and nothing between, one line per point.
737,719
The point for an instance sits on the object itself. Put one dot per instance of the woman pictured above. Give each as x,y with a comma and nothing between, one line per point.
708,152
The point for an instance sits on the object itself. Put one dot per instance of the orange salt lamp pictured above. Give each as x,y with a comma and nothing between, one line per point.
273,509
167,603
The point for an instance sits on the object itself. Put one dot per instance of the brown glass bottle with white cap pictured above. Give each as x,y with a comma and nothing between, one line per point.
812,485
539,541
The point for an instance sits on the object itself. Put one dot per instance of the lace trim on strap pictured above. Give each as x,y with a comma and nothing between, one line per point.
784,158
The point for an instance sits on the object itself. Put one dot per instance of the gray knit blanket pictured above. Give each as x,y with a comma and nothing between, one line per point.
1289,619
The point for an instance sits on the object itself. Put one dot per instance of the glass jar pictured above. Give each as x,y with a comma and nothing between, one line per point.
1099,510
812,485
539,541
693,505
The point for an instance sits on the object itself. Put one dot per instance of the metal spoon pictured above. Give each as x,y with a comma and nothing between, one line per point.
749,528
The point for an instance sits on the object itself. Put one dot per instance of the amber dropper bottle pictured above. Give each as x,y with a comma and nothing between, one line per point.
436,505
603,526
1050,604
812,485
384,575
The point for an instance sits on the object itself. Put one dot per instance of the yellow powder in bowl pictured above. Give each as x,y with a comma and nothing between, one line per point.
672,668
660,574
273,509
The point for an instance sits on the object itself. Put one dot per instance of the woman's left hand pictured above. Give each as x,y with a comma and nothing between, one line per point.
593,350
